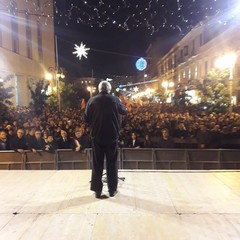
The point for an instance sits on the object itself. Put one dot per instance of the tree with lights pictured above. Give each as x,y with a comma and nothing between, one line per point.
5,96
215,94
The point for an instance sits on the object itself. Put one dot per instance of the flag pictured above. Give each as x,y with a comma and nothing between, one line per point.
83,104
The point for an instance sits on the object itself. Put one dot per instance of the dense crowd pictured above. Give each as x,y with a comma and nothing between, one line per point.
143,127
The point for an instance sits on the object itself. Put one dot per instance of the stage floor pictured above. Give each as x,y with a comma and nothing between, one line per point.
168,205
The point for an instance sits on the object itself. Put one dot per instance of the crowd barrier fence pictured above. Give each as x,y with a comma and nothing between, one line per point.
128,158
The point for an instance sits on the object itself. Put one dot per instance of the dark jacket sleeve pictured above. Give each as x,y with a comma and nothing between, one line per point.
121,108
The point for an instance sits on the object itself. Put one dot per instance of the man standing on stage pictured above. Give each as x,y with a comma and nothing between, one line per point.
102,113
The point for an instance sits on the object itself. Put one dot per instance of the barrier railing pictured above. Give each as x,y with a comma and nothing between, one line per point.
128,158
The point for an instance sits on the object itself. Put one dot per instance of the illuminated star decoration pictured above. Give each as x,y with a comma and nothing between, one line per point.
81,50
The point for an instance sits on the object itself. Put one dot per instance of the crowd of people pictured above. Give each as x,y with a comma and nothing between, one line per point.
142,127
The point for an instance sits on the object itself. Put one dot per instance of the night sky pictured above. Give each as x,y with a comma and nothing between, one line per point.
119,32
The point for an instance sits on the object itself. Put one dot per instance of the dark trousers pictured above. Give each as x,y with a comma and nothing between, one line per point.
100,151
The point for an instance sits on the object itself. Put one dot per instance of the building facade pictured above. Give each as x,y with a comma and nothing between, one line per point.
26,45
195,55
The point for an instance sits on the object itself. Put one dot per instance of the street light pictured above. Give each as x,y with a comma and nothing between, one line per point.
91,90
228,61
56,73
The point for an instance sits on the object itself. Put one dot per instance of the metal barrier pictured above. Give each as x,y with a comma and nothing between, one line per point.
128,158
204,159
68,159
171,159
230,159
11,160
41,160
137,158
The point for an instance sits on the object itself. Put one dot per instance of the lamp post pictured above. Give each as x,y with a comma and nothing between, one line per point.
228,61
56,73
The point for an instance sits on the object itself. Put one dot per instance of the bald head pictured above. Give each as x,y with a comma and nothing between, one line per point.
104,86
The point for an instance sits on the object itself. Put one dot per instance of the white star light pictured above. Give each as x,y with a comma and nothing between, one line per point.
81,50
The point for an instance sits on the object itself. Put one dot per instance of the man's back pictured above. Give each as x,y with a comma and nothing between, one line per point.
102,114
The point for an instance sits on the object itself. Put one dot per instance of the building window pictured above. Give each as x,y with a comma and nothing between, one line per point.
39,39
170,63
193,48
28,37
181,53
185,50
189,73
184,74
175,60
162,69
196,72
15,40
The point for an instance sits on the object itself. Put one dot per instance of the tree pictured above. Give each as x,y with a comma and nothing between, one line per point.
70,95
215,95
5,96
53,97
39,96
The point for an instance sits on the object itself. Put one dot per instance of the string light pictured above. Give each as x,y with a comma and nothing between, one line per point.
153,15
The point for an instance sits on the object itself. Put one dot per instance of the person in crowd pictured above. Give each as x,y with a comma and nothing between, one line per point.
147,142
30,135
80,140
64,142
18,142
4,142
166,141
215,137
57,133
191,132
133,141
37,142
180,131
15,126
203,137
102,113
51,144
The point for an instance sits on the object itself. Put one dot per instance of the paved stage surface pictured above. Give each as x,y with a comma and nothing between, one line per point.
168,205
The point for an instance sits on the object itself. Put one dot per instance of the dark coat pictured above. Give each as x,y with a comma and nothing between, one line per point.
83,141
134,145
52,146
61,144
166,143
4,145
102,113
18,143
37,144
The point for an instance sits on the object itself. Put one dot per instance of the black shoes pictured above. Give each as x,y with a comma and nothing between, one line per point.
98,194
112,193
